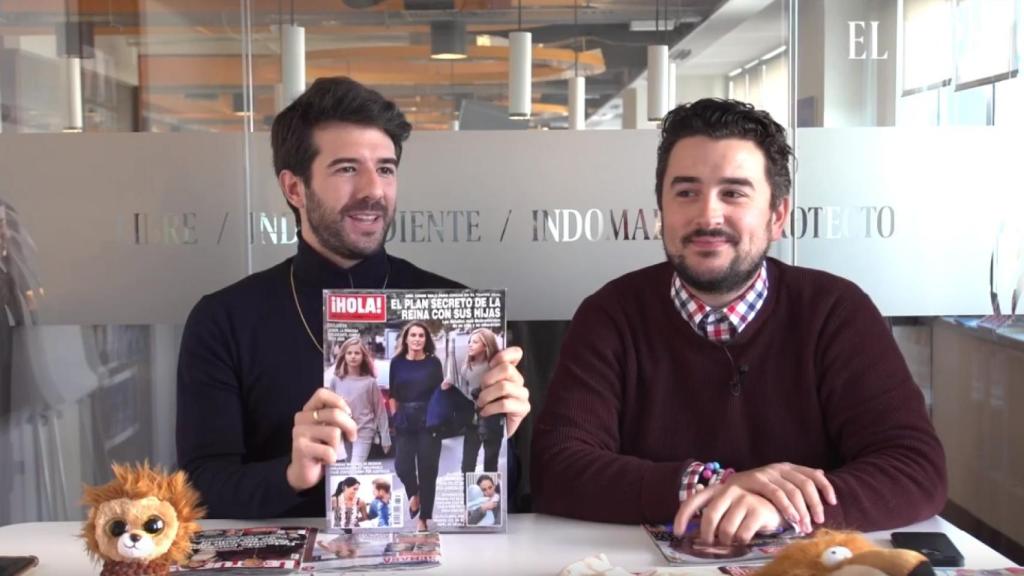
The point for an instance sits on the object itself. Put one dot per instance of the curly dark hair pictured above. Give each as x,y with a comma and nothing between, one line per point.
335,99
720,119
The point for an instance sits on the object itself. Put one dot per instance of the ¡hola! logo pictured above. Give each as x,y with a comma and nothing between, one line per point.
356,308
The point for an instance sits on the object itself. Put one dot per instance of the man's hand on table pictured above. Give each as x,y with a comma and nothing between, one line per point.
798,492
728,514
758,500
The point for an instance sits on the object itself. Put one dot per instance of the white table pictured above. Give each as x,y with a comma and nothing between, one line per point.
535,545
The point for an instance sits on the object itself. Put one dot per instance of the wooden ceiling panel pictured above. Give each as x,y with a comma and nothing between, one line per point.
386,66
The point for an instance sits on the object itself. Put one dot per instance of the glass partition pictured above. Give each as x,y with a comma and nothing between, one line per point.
110,238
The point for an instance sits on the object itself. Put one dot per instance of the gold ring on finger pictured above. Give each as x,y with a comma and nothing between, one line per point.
316,416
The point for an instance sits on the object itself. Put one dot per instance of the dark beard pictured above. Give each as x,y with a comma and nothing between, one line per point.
736,276
329,228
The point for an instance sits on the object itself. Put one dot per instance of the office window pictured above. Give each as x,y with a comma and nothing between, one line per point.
966,54
143,66
985,42
765,85
1008,108
920,109
927,44
971,107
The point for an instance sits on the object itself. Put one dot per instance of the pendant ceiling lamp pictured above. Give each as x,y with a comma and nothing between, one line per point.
520,71
657,75
75,41
577,84
74,121
448,40
455,98
293,59
672,85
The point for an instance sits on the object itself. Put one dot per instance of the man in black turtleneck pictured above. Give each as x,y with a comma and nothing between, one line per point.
252,408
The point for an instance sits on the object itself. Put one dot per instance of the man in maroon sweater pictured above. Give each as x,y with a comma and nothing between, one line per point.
788,375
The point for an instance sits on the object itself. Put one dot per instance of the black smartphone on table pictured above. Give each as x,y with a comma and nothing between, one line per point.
935,546
15,565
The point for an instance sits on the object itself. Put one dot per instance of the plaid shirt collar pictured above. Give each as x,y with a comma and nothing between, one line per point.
721,324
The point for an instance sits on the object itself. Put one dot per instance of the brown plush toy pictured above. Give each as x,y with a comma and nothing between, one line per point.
142,521
831,553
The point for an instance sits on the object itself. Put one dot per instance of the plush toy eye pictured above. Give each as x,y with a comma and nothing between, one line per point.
154,525
116,528
835,555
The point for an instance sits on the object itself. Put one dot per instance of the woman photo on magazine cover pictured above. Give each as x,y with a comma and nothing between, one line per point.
355,380
349,509
483,502
414,376
489,431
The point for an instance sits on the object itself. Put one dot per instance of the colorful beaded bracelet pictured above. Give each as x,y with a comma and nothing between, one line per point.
700,475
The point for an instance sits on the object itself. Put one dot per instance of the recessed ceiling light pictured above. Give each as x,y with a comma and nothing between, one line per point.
774,53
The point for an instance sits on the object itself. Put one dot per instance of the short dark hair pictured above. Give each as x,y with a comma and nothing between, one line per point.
334,99
720,119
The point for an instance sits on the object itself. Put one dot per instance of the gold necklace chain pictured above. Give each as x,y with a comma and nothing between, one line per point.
295,296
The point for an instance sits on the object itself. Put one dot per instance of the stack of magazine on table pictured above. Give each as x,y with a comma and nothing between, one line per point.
364,551
289,549
751,570
686,549
253,550
747,559
978,572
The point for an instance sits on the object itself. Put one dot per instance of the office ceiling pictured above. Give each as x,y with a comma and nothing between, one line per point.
185,58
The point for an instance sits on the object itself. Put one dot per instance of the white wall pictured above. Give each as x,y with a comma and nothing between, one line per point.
692,87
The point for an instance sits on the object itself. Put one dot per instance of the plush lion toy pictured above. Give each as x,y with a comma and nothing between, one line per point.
831,553
142,521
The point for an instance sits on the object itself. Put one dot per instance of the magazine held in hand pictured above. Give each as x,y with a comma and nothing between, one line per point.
409,364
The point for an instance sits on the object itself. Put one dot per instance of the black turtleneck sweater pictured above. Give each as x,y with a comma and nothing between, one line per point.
247,365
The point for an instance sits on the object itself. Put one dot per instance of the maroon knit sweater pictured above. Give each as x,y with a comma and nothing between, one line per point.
638,393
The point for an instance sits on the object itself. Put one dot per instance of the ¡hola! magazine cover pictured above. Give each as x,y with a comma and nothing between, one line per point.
409,364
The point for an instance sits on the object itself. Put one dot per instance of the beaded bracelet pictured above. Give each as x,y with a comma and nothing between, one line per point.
700,475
